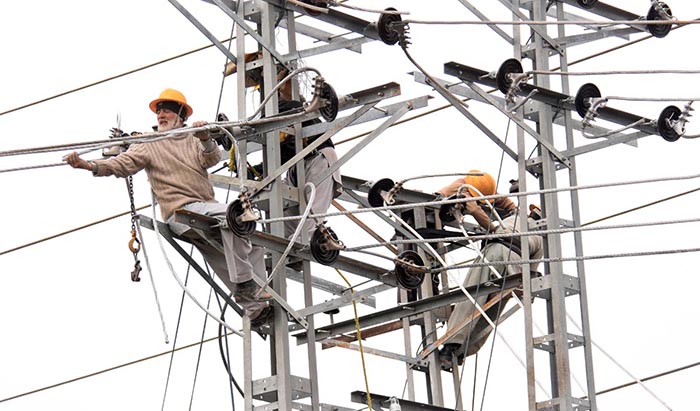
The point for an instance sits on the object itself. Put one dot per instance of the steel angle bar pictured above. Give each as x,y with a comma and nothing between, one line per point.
607,142
413,308
360,397
579,39
204,30
203,223
360,268
404,195
165,232
349,44
346,102
332,288
361,201
495,299
253,33
321,35
481,16
337,126
376,114
457,89
552,150
542,31
553,98
461,107
575,17
336,18
610,12
375,351
362,144
346,299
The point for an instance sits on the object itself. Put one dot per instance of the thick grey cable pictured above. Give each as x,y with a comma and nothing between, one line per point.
153,283
520,194
180,283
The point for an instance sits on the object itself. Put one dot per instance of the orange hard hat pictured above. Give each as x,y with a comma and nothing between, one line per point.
482,181
170,94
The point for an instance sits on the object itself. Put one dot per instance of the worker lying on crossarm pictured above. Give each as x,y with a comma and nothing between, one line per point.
470,338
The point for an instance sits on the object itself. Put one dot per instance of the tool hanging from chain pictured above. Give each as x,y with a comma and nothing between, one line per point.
134,243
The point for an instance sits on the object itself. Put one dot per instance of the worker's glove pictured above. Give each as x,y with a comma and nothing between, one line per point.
255,172
116,132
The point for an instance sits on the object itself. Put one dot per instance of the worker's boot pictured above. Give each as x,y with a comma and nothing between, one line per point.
445,355
247,290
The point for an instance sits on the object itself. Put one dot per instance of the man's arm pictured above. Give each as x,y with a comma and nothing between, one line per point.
73,159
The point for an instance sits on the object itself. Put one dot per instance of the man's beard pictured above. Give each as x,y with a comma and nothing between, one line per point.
167,127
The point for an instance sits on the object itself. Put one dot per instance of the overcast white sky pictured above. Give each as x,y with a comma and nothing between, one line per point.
68,308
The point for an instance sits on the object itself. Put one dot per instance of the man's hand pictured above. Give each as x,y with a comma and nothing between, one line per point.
202,135
73,159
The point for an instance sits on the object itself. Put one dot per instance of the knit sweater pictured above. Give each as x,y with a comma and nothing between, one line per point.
176,169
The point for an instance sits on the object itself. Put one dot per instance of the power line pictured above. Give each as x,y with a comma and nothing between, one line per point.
695,364
116,367
70,231
111,78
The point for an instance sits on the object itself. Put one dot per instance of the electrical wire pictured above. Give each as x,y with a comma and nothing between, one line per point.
103,371
136,70
605,23
72,230
177,333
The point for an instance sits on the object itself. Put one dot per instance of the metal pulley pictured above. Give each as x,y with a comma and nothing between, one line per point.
583,95
240,216
659,11
668,124
330,109
381,192
325,246
586,4
503,75
409,269
387,33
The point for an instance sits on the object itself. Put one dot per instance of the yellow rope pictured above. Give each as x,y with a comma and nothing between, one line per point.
231,160
359,339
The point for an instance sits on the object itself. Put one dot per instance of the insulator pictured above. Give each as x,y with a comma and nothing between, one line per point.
659,11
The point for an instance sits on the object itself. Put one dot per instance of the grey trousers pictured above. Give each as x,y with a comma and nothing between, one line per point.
326,191
240,260
493,252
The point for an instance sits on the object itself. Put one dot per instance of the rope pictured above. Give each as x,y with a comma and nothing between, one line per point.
359,340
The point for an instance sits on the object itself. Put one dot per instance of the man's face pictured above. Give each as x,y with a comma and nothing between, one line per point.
168,120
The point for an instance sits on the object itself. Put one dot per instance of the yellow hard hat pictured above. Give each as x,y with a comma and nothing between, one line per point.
170,94
482,181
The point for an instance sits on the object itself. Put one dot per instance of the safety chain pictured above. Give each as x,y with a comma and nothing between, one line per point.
134,243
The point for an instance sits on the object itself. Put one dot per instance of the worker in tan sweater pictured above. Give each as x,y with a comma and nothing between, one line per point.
177,171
